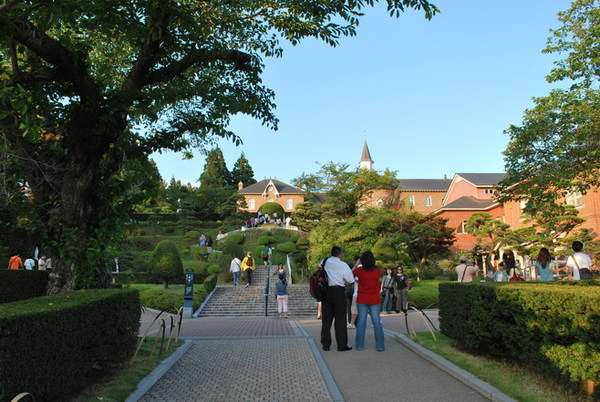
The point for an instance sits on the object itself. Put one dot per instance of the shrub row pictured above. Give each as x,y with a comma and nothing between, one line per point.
52,345
554,325
21,284
166,299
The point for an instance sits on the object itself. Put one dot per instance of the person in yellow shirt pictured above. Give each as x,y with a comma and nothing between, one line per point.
248,266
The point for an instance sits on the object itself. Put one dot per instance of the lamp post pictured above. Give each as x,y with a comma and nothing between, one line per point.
267,283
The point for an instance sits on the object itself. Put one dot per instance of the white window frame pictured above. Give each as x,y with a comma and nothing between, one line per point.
428,201
574,198
289,204
411,200
463,226
251,204
488,191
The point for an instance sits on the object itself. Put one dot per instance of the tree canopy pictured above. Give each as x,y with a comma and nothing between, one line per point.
556,149
88,85
242,172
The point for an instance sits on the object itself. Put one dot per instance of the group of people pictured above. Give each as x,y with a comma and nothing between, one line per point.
261,218
31,264
576,267
355,293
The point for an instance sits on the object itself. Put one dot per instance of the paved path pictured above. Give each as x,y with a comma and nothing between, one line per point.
270,359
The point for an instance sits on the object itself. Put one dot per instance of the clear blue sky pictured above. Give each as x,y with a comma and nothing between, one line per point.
430,97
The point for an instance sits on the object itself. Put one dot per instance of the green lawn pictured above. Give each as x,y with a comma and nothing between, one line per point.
512,379
120,386
424,294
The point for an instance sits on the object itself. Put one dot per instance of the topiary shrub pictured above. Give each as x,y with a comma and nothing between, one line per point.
165,263
286,247
231,249
264,240
213,269
384,251
270,207
302,243
237,238
295,238
210,283
193,234
199,252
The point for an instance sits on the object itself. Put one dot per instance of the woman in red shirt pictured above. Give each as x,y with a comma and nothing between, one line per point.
368,301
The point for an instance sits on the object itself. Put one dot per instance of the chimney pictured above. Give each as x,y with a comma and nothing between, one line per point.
240,185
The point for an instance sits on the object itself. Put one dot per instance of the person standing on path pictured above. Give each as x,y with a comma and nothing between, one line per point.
235,268
334,305
578,262
282,296
387,290
248,267
500,274
202,240
29,264
544,265
15,262
42,263
368,301
401,281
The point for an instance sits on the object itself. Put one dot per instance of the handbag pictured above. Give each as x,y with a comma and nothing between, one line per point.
584,273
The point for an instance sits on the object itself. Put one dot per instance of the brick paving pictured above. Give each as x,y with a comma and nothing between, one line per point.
243,370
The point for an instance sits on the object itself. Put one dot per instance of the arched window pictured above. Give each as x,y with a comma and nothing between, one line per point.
289,203
411,200
428,201
251,204
380,202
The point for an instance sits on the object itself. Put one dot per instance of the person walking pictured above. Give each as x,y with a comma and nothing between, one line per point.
280,271
248,267
579,264
235,267
401,282
368,301
282,296
544,265
15,262
42,263
387,290
334,305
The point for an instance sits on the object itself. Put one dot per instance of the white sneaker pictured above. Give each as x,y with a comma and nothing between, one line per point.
350,326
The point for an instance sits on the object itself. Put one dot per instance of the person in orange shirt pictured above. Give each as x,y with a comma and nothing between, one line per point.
15,262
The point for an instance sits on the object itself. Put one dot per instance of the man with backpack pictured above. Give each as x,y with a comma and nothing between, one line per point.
334,302
248,267
579,264
266,254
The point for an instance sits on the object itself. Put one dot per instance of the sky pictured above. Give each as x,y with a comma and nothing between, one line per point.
431,98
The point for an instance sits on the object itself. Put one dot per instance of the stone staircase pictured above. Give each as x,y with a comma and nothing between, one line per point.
241,301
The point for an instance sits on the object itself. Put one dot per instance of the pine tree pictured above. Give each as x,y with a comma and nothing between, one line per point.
242,171
215,171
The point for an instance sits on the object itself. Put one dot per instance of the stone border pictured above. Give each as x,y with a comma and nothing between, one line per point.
152,378
195,315
471,381
334,390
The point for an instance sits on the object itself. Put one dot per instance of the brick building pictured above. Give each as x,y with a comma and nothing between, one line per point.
270,190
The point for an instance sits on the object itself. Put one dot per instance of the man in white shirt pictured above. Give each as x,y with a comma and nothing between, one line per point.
235,267
29,264
577,261
466,272
334,306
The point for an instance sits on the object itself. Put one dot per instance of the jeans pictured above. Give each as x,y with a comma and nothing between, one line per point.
374,311
387,301
236,278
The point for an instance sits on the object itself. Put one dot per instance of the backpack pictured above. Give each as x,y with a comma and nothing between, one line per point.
250,262
318,283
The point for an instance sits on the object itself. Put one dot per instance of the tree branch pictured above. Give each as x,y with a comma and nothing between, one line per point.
67,63
36,76
240,60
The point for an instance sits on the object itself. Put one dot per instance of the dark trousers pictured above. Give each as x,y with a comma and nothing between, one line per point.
349,294
334,308
249,273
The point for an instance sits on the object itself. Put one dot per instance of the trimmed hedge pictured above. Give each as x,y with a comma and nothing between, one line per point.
552,324
53,345
21,284
210,283
165,299
286,247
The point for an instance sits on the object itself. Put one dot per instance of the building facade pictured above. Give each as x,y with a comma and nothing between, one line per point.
270,190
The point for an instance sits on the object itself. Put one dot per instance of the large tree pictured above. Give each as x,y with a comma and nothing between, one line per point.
242,172
215,172
556,149
88,84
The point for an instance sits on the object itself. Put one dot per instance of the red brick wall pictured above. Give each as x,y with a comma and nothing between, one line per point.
465,241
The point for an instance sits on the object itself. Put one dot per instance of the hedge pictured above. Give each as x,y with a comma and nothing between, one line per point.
552,324
166,299
53,345
21,284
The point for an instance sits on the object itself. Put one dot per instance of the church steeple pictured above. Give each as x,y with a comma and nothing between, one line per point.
365,160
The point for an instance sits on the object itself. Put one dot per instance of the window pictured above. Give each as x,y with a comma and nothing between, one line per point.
462,227
380,202
428,202
411,200
523,204
289,204
251,204
575,198
488,191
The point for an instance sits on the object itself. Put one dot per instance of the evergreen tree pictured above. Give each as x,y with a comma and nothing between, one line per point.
215,170
242,171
